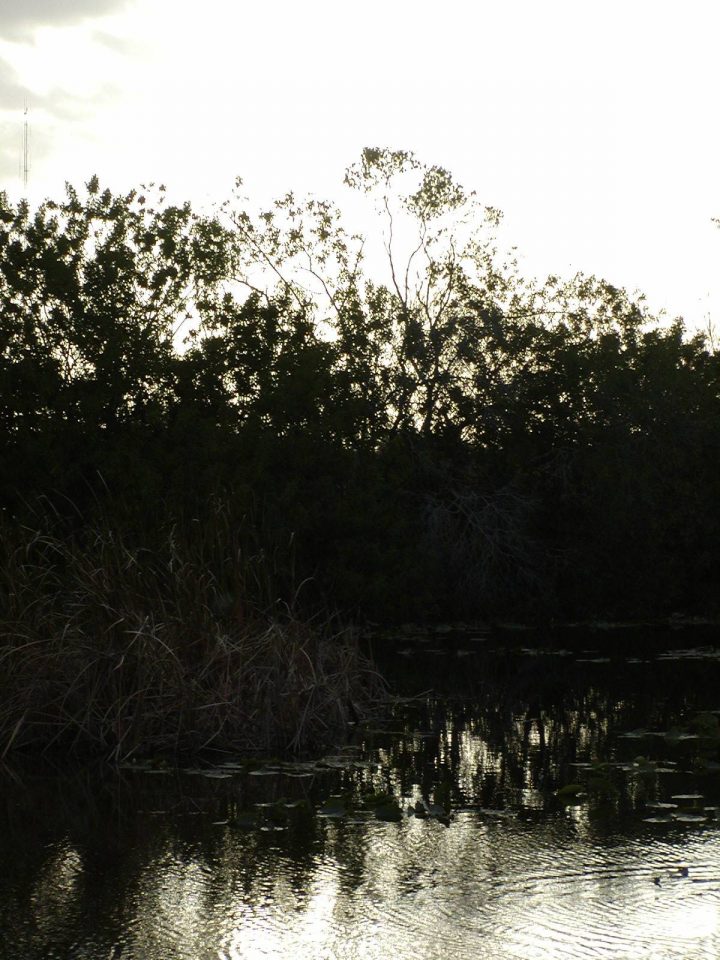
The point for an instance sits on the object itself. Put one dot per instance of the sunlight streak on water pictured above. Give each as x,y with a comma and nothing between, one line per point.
57,887
474,890
170,908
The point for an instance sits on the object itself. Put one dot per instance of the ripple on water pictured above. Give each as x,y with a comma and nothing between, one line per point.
500,892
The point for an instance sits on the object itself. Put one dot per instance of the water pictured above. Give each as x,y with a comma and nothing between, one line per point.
571,797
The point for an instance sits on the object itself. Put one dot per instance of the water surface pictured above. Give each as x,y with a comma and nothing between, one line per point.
571,796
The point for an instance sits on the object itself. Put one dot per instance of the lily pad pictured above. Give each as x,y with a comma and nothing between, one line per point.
707,766
570,790
377,798
343,763
390,812
245,819
706,725
334,807
694,653
680,736
642,765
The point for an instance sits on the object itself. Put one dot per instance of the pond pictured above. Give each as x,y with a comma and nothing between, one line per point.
531,797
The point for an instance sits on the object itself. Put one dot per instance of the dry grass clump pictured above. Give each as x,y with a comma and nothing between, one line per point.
107,647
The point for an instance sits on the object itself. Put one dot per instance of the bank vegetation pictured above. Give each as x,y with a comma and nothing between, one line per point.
214,427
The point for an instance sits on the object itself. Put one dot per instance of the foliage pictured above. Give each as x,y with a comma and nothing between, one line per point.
444,437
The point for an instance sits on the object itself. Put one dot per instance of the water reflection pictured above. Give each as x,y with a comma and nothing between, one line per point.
580,825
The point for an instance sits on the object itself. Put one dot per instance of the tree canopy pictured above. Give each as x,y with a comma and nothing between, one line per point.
437,433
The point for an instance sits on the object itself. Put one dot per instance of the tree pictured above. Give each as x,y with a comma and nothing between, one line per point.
93,291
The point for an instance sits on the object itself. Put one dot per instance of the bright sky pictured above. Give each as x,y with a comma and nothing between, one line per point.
593,126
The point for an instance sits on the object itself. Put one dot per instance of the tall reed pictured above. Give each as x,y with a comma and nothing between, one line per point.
179,645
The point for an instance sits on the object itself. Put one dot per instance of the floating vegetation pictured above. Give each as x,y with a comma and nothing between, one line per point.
693,653
424,809
642,766
342,763
705,725
389,812
703,765
570,791
675,735
679,736
334,807
245,819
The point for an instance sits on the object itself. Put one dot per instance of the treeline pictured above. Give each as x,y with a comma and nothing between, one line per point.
407,426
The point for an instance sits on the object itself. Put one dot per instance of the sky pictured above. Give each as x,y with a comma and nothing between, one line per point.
593,126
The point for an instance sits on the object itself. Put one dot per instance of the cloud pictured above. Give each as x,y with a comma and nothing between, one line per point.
54,112
19,19
10,153
12,92
122,46
55,101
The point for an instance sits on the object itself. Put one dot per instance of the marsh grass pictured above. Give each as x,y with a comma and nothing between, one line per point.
175,648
